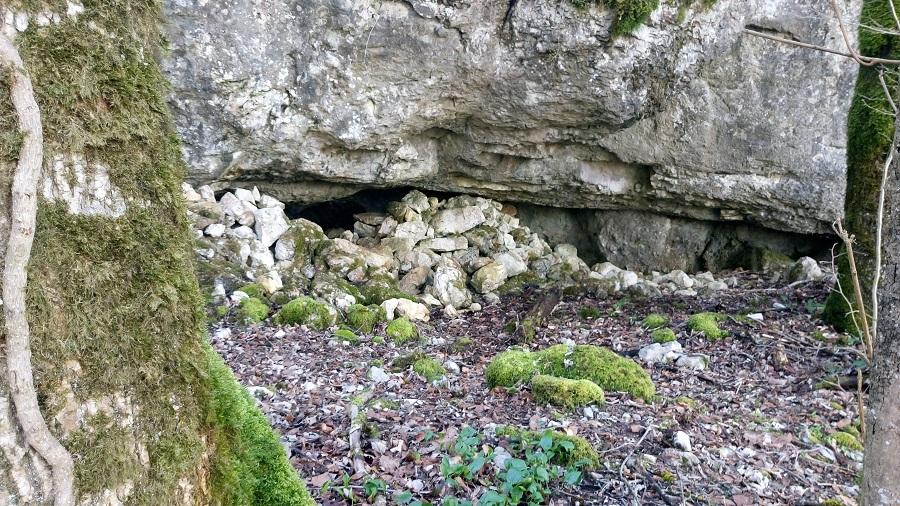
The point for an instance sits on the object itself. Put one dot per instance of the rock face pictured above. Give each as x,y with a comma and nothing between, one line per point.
687,116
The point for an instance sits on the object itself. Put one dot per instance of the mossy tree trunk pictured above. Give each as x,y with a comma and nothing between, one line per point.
881,470
125,377
870,129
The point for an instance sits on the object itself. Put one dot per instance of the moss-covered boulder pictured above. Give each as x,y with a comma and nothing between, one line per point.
253,310
346,335
363,319
565,392
708,325
608,370
306,311
402,330
605,368
254,290
429,368
663,335
510,368
654,321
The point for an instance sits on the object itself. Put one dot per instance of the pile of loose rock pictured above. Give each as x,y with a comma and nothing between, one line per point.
443,253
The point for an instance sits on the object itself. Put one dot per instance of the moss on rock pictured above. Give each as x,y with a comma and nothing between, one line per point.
429,368
402,330
608,370
708,325
565,392
363,319
663,335
346,335
254,290
253,310
305,311
654,321
510,368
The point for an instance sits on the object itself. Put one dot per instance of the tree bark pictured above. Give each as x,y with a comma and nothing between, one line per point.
881,470
23,206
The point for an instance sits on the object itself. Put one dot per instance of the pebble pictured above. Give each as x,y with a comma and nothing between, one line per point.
682,441
378,375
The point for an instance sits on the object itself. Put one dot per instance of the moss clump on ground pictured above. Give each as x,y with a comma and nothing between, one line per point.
253,310
250,465
510,368
846,441
402,330
254,290
608,370
708,325
305,311
589,313
363,319
346,335
565,392
582,451
663,335
520,281
429,368
654,321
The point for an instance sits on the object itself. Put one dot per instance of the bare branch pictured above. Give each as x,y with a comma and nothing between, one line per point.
23,209
887,93
870,60
894,13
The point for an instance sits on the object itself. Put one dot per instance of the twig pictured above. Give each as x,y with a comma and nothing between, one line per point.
870,59
23,211
357,424
637,445
876,276
890,100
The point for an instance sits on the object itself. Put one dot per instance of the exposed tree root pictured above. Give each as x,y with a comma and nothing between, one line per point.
23,209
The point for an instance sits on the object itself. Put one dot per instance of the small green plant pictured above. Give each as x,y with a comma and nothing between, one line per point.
373,488
654,321
708,325
589,313
253,310
429,368
663,335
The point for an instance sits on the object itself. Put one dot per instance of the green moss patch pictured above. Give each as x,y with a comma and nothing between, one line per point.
346,335
305,311
582,451
629,13
510,368
402,330
250,465
565,392
608,370
363,319
254,290
253,310
605,368
708,325
429,368
654,321
663,335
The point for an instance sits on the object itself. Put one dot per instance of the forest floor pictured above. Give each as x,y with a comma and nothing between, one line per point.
760,430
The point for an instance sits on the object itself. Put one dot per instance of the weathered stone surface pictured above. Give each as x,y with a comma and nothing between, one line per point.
317,99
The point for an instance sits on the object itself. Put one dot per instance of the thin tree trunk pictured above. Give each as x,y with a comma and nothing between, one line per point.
881,470
23,209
